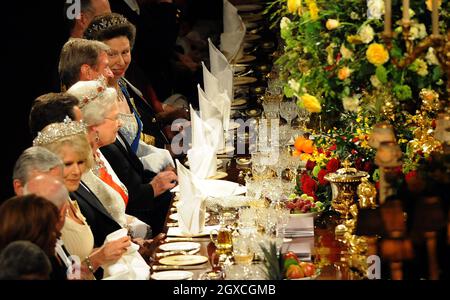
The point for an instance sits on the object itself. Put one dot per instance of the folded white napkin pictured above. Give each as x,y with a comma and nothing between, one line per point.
221,69
192,206
232,38
217,188
219,97
206,132
131,265
202,161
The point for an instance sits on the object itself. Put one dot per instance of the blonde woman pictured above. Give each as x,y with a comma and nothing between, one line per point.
68,140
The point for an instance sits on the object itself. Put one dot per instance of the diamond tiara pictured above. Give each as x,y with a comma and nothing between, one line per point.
106,22
56,131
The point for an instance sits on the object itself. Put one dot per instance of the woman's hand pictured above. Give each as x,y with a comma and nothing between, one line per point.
110,252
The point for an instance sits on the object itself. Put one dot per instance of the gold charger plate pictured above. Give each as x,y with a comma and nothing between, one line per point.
252,37
243,80
246,58
252,17
225,150
238,102
248,7
219,175
183,260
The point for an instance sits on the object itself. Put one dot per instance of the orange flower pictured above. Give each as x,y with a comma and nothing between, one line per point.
308,147
299,143
303,145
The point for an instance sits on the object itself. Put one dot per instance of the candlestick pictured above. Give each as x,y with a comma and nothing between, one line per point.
387,17
405,11
435,17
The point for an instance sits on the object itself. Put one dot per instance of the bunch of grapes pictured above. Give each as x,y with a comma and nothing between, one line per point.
303,204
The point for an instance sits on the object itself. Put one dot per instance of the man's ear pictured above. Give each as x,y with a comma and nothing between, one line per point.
18,187
85,72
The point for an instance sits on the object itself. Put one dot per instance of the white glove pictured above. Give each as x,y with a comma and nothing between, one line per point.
154,159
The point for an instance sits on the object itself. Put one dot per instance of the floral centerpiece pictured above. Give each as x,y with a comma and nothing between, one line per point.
339,63
336,61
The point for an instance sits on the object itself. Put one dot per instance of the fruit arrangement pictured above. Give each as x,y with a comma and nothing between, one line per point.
296,269
303,204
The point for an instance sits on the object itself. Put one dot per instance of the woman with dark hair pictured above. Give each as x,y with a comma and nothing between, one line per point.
35,219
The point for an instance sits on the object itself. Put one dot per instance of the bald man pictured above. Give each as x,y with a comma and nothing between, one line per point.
51,188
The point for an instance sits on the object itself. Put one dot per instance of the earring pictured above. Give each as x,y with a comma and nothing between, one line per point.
97,137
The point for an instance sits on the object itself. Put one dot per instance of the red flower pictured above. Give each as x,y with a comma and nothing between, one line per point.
354,152
321,178
320,150
332,148
310,165
308,185
355,139
410,175
333,165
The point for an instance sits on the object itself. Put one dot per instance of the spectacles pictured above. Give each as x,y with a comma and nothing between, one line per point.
116,118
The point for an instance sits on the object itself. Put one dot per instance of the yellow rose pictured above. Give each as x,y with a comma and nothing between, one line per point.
311,103
313,9
294,6
344,73
332,24
377,54
430,5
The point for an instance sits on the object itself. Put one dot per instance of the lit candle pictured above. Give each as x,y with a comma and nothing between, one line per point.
405,11
435,16
387,17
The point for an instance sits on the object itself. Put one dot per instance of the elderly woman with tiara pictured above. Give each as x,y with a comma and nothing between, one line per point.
68,140
100,111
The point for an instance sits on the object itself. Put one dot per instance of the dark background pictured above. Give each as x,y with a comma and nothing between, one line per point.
33,33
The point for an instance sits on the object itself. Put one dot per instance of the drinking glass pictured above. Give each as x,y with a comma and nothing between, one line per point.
288,111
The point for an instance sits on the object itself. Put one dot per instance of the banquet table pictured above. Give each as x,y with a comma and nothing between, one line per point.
328,253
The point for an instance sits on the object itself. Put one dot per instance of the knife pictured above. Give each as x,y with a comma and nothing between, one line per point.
163,268
187,239
168,253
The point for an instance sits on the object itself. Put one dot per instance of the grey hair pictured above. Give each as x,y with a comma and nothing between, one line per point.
95,111
35,159
48,187
75,53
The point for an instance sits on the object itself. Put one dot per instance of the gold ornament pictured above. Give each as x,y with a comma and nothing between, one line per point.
430,100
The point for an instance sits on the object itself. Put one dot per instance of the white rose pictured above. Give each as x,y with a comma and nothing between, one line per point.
366,33
431,57
284,23
351,103
294,85
332,24
375,9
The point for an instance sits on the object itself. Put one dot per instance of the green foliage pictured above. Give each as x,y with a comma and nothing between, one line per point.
273,270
